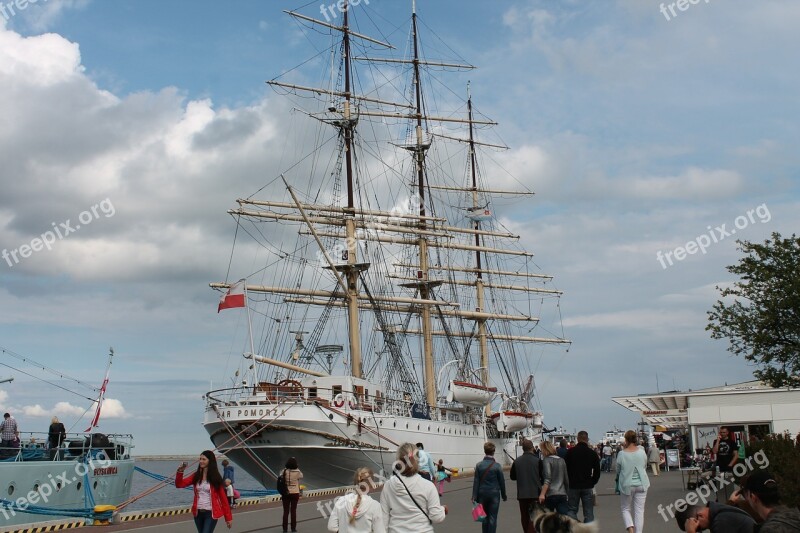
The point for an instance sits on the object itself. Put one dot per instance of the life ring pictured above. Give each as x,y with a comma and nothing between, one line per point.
352,402
338,400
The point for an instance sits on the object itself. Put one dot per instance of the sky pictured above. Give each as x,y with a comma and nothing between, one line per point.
639,129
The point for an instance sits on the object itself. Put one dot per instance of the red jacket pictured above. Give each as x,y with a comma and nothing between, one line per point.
219,500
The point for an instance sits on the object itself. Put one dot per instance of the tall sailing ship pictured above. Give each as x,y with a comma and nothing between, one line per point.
390,303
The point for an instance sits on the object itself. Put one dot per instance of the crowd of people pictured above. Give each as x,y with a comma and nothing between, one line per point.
547,479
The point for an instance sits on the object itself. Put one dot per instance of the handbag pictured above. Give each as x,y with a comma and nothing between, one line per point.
478,513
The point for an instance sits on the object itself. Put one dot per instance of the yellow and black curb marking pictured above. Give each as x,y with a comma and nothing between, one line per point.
153,514
130,517
43,529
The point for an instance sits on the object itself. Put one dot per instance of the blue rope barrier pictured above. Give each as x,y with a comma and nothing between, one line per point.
50,511
245,493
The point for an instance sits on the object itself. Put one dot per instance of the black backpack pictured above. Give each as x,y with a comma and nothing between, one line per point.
280,485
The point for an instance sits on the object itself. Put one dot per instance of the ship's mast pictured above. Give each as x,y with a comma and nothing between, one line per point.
422,242
351,270
479,286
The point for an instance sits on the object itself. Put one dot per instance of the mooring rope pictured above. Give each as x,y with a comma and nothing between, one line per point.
234,435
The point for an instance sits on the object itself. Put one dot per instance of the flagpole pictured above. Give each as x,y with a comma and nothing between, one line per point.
100,399
249,322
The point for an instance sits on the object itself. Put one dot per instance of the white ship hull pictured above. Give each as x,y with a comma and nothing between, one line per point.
60,485
329,450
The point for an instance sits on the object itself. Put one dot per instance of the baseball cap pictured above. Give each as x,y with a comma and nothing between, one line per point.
761,483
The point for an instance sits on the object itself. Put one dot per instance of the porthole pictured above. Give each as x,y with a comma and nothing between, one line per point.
36,487
58,487
80,485
11,489
94,486
406,426
395,423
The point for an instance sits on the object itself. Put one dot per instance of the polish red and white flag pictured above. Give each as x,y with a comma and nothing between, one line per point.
234,297
100,399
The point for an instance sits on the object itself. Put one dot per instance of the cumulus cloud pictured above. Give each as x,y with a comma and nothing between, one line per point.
60,409
70,145
112,408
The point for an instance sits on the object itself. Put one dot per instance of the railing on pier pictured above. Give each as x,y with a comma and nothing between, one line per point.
33,446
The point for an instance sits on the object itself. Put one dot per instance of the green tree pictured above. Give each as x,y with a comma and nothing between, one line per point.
762,322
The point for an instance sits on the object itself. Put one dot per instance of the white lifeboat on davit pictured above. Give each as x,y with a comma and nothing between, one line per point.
470,394
510,421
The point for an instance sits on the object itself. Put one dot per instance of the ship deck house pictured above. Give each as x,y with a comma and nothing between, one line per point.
750,409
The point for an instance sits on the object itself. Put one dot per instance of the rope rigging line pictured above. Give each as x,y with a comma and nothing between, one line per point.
360,448
234,435
169,480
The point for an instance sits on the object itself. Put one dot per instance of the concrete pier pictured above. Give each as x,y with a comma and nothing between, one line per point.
252,517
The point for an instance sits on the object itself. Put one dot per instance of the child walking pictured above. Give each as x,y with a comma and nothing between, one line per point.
229,493
442,474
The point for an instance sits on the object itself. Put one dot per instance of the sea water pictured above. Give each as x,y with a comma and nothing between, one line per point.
169,496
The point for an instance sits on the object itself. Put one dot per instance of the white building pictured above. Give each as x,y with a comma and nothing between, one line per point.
746,409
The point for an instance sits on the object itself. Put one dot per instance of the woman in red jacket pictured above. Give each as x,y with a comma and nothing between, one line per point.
210,501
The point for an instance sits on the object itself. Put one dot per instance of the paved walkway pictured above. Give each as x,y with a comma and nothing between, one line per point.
665,489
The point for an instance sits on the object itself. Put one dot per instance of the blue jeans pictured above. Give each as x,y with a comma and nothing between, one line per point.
578,496
204,522
491,504
557,503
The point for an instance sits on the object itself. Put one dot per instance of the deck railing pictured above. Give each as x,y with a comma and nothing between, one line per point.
33,446
277,394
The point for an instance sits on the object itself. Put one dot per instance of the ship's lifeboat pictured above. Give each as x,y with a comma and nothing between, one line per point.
510,421
470,394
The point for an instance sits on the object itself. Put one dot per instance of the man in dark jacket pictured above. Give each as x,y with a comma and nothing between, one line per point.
717,518
583,470
527,472
761,492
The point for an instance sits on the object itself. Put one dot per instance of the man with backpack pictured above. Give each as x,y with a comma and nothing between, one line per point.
526,470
